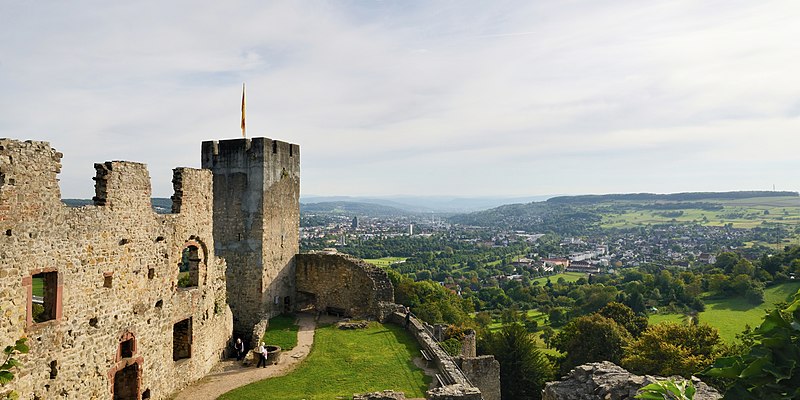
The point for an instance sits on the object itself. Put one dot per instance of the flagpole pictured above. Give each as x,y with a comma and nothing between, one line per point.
243,125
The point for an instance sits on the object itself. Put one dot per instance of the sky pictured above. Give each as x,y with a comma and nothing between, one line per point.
429,98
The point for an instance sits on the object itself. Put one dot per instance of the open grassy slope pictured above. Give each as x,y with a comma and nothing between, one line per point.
344,362
742,213
731,315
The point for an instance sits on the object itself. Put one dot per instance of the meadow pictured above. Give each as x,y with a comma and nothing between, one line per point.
345,362
385,262
731,315
740,213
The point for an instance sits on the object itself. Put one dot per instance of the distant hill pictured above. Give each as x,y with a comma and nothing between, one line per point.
161,205
351,208
576,215
428,204
688,196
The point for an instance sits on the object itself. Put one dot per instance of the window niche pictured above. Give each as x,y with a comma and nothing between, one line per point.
44,300
190,266
182,340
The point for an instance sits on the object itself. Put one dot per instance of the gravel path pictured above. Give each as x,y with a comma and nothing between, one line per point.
229,375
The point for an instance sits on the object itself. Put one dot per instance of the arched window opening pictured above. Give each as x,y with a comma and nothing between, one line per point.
189,270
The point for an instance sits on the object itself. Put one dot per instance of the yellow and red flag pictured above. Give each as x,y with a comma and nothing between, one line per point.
243,126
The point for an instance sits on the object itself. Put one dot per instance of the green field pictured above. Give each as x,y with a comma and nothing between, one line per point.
38,286
731,315
282,331
741,213
568,276
385,262
344,362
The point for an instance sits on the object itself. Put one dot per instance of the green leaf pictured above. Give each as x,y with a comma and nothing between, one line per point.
754,368
21,345
5,377
649,396
690,390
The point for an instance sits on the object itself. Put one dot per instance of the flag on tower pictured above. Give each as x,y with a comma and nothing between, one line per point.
243,127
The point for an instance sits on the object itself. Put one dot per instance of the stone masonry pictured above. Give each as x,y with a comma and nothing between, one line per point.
606,380
114,323
256,224
344,284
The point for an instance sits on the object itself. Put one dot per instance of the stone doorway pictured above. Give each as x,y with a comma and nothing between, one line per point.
126,383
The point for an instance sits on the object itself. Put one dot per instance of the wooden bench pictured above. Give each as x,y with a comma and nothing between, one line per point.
339,312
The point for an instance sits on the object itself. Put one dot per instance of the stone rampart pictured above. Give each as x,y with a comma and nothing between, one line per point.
344,284
96,289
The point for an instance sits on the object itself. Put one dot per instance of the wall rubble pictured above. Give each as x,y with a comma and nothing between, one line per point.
605,380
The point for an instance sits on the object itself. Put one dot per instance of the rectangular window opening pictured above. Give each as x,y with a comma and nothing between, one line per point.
44,296
182,340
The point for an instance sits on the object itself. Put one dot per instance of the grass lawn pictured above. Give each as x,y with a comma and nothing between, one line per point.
38,286
385,262
282,331
344,362
568,276
731,315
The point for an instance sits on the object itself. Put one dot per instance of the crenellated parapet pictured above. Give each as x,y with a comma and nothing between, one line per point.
135,297
256,224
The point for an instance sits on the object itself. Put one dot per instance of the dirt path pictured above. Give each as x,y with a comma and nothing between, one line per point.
229,375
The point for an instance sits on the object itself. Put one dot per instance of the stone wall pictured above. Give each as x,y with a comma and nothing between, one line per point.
111,275
605,380
339,282
257,220
484,373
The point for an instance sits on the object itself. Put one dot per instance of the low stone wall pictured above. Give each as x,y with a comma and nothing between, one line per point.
606,380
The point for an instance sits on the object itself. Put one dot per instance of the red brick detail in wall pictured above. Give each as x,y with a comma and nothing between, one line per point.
119,366
27,283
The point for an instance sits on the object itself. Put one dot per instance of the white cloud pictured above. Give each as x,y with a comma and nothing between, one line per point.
506,97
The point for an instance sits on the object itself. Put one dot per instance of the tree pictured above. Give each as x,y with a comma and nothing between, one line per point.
523,368
8,365
623,315
673,349
591,338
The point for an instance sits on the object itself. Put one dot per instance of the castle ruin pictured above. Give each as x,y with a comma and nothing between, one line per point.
119,302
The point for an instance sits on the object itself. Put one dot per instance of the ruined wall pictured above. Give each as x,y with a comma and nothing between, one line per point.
484,373
606,380
342,282
111,276
257,220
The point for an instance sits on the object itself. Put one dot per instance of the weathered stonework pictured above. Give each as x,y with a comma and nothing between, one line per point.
336,282
256,224
484,373
110,272
384,395
605,380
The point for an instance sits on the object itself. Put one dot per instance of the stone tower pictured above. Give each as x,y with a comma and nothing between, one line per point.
256,224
